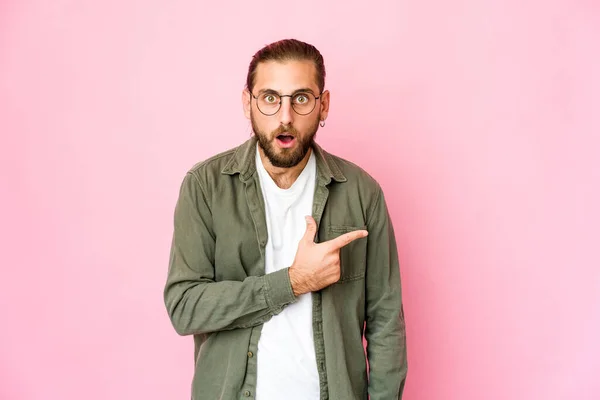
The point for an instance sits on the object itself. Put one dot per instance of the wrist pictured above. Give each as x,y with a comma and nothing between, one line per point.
296,281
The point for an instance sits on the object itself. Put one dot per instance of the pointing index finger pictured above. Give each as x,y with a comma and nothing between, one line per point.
347,238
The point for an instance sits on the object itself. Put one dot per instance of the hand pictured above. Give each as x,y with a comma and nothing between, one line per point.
317,265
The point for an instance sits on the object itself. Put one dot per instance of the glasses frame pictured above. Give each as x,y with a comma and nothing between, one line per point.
281,96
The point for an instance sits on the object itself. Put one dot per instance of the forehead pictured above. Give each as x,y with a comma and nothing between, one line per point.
286,76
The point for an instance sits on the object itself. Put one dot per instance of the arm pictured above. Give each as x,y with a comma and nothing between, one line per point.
195,302
385,329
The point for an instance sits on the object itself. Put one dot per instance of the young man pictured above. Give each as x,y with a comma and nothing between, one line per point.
284,257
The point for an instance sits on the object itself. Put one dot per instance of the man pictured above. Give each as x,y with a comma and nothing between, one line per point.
284,257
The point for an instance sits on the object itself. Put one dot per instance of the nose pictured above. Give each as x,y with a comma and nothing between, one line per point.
286,113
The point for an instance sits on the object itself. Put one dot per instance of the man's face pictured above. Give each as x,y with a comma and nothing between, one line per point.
285,137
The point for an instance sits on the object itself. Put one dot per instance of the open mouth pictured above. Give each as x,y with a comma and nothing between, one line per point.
285,141
285,138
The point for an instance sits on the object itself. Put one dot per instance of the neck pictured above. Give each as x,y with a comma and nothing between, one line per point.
284,177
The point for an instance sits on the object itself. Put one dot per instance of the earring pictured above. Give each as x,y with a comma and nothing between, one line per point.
322,123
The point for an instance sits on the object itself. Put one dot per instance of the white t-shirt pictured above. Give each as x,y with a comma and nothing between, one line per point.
286,361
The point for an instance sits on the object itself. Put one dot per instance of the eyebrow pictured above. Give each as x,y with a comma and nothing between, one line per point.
263,91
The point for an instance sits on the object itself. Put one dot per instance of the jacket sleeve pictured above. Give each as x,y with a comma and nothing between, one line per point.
195,302
385,329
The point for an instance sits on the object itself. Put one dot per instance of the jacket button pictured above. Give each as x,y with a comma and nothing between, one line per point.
247,393
250,354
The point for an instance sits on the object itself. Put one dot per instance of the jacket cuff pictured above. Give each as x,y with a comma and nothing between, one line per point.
278,291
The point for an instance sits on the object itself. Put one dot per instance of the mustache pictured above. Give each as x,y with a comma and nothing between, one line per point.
289,129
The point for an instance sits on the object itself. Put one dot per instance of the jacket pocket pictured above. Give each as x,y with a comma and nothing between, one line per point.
353,256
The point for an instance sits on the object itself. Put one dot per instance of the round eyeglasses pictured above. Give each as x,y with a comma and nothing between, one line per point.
269,102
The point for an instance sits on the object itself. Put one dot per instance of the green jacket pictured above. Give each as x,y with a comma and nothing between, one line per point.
217,289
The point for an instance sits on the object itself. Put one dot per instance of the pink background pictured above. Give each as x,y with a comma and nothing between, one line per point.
479,118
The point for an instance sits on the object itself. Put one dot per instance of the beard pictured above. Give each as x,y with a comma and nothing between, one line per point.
285,158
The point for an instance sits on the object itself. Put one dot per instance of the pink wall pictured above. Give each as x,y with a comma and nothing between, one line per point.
480,119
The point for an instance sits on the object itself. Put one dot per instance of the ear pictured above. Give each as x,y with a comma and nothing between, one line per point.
246,103
325,104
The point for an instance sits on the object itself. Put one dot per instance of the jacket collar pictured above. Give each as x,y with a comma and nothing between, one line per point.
243,162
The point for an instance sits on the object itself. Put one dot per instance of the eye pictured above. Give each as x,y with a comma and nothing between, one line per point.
270,98
301,98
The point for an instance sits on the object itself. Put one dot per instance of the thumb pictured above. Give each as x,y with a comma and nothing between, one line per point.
311,229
